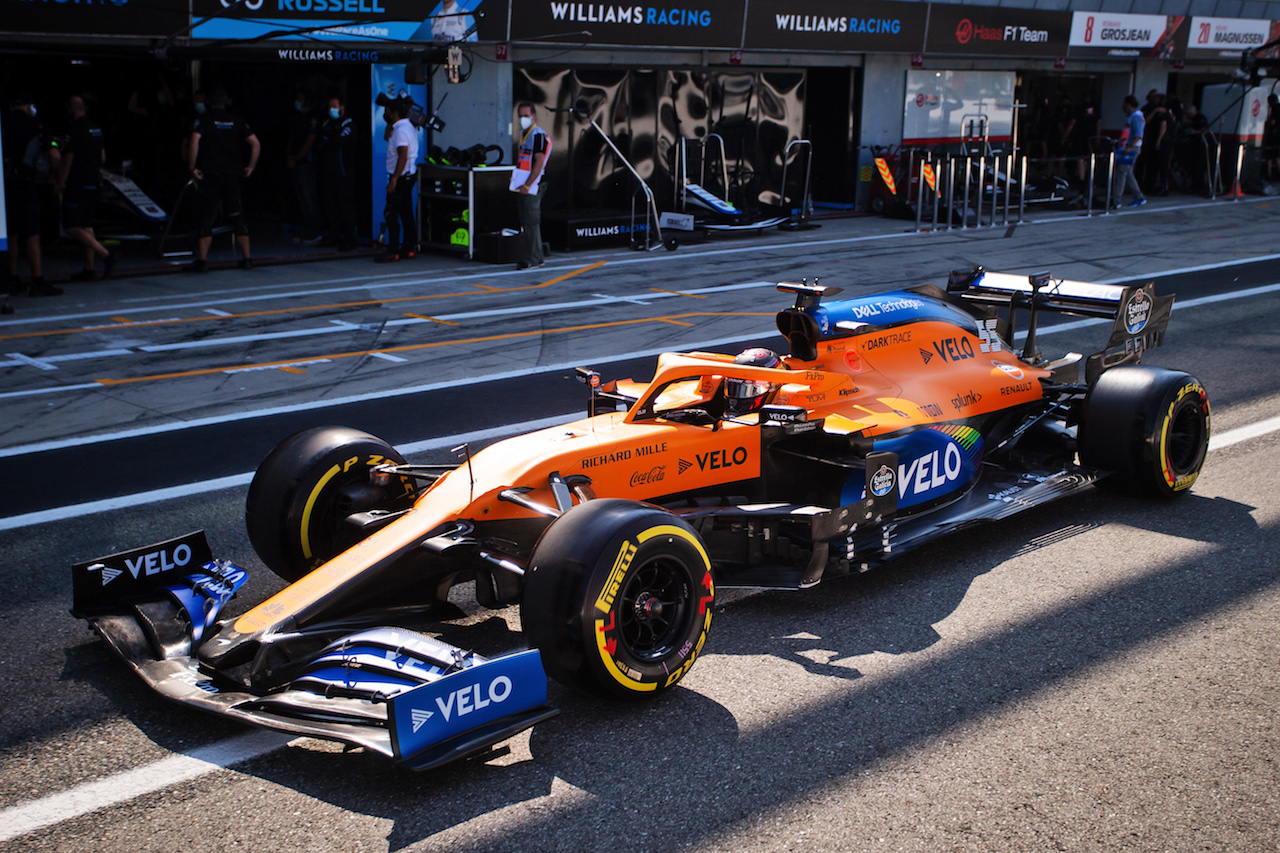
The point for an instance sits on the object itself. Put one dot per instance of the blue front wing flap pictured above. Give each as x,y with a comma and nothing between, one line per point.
406,695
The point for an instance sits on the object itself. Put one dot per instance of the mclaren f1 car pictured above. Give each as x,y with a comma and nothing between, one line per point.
892,419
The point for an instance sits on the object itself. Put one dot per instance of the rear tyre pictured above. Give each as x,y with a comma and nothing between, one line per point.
1149,427
618,598
304,490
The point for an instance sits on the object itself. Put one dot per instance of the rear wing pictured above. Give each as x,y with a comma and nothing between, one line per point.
1139,317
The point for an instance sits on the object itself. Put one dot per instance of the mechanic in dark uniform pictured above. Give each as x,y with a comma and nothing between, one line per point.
80,179
28,150
303,127
215,157
531,159
337,174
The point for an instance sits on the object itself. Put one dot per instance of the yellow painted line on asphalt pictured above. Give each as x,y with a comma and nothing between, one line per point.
477,290
205,371
288,369
679,293
432,319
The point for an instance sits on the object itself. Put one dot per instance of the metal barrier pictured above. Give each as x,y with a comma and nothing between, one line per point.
984,180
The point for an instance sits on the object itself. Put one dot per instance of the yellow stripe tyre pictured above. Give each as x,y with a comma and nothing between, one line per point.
618,598
307,486
1149,427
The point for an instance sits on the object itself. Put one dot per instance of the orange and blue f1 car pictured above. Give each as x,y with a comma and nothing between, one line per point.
892,419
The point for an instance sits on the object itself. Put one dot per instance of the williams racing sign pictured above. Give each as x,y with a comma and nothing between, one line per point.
702,23
864,27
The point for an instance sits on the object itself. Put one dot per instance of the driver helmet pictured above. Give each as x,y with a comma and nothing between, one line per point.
747,395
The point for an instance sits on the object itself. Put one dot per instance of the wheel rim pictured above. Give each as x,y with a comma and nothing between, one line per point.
1185,439
655,611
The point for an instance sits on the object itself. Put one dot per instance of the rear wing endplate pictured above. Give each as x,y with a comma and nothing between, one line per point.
1139,317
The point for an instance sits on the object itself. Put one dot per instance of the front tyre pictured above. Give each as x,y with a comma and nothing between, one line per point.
1147,425
304,490
618,598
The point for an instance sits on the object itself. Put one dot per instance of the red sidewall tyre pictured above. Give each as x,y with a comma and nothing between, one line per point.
618,598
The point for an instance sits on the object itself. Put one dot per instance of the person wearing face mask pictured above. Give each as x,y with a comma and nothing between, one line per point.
532,149
337,174
303,128
29,150
402,180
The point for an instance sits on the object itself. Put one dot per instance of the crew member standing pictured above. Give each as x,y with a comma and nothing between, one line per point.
1129,147
402,181
337,175
215,155
304,127
526,179
80,179
29,151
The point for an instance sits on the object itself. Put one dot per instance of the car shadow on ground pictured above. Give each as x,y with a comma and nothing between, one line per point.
683,761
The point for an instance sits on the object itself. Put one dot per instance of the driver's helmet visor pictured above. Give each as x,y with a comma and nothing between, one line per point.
746,389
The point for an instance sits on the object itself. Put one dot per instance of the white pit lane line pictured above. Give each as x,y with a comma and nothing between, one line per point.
341,327
183,767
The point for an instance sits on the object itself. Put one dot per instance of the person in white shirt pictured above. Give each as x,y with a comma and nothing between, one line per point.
402,180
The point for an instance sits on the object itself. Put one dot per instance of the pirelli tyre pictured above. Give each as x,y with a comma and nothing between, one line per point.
618,598
1148,426
305,489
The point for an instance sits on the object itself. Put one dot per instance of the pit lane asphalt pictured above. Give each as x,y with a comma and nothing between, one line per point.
183,428
1099,673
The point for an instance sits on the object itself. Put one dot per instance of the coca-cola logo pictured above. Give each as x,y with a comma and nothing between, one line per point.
656,474
1137,312
964,31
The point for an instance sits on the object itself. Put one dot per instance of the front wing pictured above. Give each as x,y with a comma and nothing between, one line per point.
404,695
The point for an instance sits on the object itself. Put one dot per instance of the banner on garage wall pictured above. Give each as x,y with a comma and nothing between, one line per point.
1123,35
835,25
945,107
1215,38
700,23
350,20
145,18
997,31
386,79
